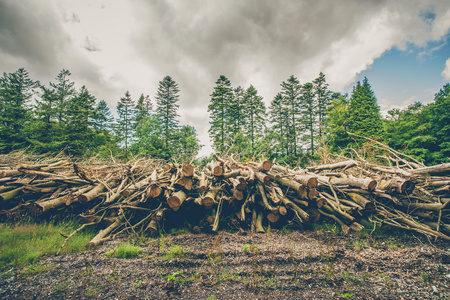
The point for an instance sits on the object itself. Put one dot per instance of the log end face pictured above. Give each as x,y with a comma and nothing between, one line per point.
312,182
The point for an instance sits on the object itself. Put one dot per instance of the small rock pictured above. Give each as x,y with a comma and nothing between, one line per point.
435,290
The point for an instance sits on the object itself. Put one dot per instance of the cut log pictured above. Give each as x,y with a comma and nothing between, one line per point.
364,183
187,170
364,202
92,194
273,217
102,235
299,188
210,197
258,225
38,208
307,180
397,185
176,200
263,178
152,227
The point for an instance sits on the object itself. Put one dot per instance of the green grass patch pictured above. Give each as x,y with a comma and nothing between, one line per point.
125,250
23,244
175,252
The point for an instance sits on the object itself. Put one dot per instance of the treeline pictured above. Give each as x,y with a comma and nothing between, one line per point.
300,117
63,118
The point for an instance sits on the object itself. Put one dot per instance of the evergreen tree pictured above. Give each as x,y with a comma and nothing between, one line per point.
151,141
440,112
189,143
337,122
102,119
79,130
254,112
410,131
308,107
124,126
234,111
45,133
279,117
144,108
323,99
364,112
219,113
166,108
16,89
291,91
64,90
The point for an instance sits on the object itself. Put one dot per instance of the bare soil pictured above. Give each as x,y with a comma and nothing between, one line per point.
298,265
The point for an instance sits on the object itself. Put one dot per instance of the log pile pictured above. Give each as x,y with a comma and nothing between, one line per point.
147,196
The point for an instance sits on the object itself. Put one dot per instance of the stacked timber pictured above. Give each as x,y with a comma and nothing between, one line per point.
146,195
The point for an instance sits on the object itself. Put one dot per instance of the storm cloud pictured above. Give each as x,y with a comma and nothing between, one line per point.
112,47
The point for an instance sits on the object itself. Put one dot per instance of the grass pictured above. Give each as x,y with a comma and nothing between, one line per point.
175,252
24,244
124,250
359,245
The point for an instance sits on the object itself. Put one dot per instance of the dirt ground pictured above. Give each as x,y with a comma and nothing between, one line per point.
298,265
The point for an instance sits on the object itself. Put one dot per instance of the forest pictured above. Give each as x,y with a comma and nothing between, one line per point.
302,120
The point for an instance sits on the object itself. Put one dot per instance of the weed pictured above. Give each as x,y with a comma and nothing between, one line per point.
246,248
179,231
392,246
174,277
359,245
425,277
345,295
175,252
353,279
388,281
161,243
62,286
326,227
36,269
113,276
125,250
93,291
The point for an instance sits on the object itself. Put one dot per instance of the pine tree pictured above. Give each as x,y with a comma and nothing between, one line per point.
124,127
278,118
46,133
364,112
166,108
79,130
410,131
234,112
337,122
16,90
64,91
102,119
254,112
291,91
440,112
308,110
143,107
189,143
323,99
219,113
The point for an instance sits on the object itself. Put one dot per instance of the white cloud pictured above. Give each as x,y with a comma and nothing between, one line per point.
446,72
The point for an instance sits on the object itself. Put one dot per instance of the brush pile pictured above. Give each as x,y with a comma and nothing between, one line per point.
147,196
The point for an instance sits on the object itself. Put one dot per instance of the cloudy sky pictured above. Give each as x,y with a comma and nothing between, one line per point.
114,46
